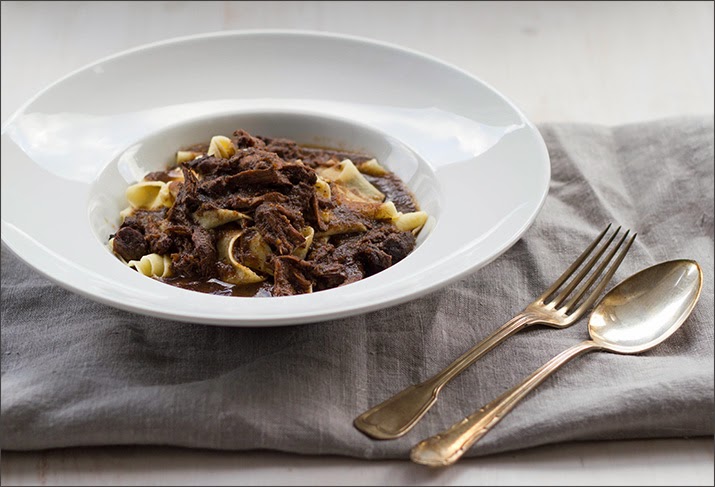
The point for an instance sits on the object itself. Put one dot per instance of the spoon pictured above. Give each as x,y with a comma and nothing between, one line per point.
636,315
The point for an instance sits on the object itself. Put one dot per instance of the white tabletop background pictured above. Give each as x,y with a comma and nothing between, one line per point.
609,63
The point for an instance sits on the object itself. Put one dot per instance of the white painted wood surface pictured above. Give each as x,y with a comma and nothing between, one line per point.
638,462
607,63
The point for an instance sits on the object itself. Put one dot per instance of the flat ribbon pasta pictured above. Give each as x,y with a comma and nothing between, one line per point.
221,146
412,221
373,168
346,174
260,256
153,265
216,217
240,274
302,250
150,195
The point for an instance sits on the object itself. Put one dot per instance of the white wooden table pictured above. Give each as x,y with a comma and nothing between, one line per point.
607,63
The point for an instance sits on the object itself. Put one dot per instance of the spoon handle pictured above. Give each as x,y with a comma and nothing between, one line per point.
447,447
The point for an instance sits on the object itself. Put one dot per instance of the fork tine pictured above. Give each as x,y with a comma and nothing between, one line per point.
567,273
594,275
558,300
604,280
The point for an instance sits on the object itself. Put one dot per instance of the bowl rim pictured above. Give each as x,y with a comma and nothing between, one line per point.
272,32
322,314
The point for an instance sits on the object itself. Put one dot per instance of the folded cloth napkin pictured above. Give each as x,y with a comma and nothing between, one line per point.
75,372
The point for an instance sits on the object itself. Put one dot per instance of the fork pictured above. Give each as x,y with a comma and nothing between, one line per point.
398,414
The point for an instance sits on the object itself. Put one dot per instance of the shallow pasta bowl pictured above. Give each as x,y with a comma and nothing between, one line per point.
476,165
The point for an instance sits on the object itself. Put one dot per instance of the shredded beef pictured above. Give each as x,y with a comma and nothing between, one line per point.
256,158
187,200
170,239
280,226
258,177
313,156
284,148
243,160
129,244
243,202
313,214
158,176
271,181
373,259
394,190
204,250
197,258
145,219
209,165
244,140
397,245
384,247
363,255
291,276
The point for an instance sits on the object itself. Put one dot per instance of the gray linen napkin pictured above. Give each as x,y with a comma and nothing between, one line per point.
75,372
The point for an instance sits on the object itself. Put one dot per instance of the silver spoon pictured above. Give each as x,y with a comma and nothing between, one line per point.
636,315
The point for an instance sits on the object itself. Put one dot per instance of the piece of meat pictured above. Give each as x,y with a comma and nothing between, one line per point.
279,226
159,234
243,160
253,180
313,156
183,264
198,256
209,165
285,149
257,158
168,238
313,215
158,176
204,251
143,219
330,275
299,173
335,266
373,258
244,140
251,170
258,177
397,245
129,244
299,196
291,276
247,202
366,254
187,200
394,190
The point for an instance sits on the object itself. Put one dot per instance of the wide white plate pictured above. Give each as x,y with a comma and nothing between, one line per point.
475,163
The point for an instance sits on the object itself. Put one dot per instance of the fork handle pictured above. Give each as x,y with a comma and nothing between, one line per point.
398,414
447,447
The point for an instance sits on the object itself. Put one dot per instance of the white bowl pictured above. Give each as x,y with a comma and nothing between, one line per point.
473,161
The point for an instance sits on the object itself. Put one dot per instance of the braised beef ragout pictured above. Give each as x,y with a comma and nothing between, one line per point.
256,216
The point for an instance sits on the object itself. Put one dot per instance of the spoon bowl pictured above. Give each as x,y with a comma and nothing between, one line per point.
636,315
648,307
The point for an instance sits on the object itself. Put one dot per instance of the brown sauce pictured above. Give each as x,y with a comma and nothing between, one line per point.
395,190
220,288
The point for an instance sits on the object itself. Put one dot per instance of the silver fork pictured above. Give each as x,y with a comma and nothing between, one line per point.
398,414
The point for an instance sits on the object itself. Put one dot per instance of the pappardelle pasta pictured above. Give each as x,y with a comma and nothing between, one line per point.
259,216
